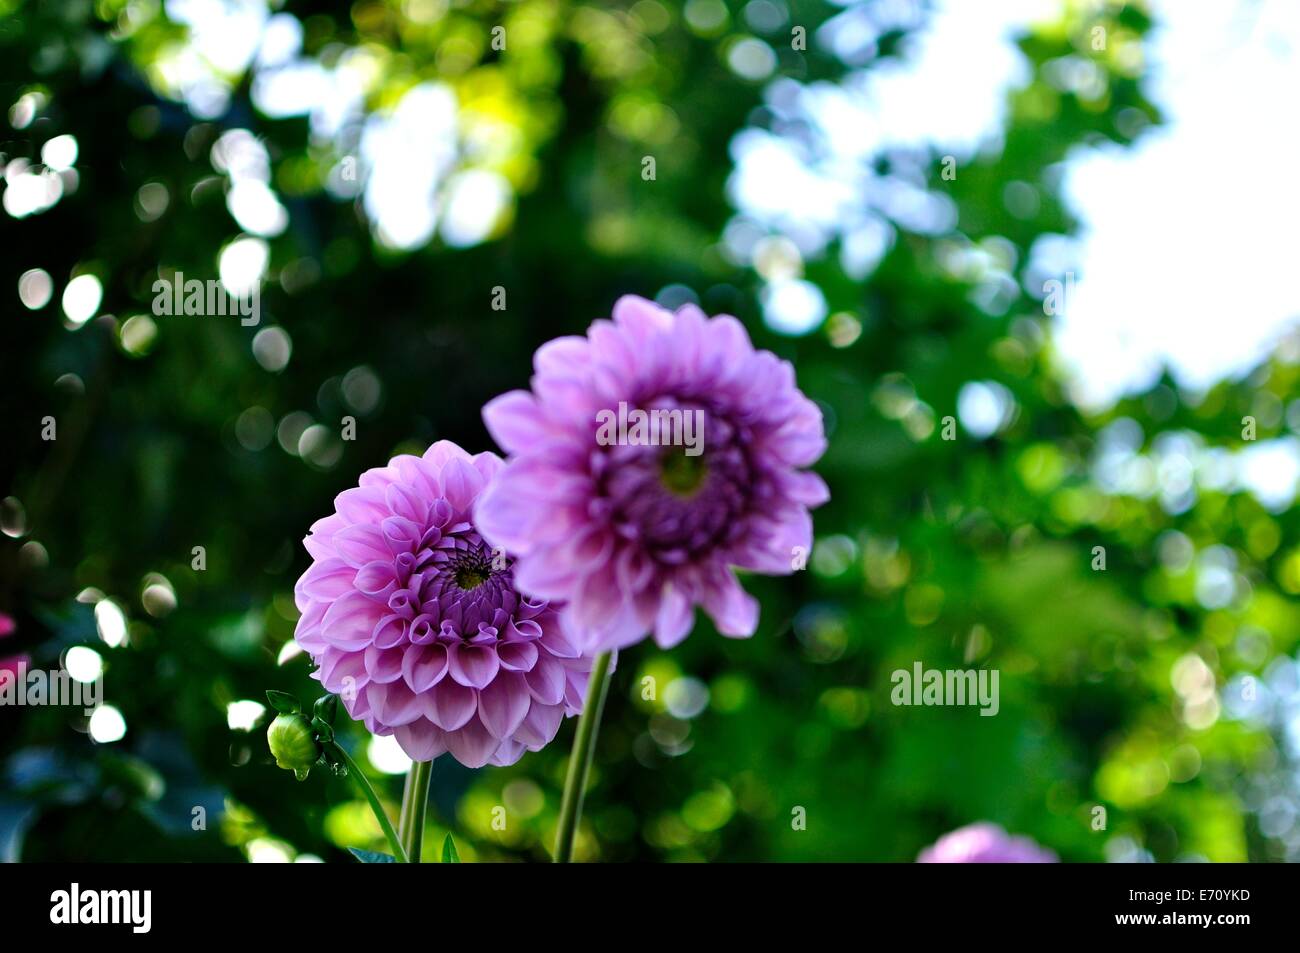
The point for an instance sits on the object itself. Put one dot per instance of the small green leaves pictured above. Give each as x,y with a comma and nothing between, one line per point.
449,854
371,856
325,708
284,703
324,733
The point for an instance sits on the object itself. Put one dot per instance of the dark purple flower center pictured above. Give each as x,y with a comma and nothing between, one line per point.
463,581
678,505
472,570
681,473
456,585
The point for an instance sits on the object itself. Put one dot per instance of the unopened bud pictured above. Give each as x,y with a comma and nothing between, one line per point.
293,744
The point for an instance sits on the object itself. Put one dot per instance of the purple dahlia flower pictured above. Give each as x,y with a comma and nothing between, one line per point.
631,529
984,843
415,622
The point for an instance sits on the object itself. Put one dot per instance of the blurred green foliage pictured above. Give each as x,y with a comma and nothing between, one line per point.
954,553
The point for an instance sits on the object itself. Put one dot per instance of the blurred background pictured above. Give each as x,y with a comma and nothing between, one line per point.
1066,229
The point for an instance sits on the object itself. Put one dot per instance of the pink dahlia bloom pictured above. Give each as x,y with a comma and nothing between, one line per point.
632,533
416,624
984,843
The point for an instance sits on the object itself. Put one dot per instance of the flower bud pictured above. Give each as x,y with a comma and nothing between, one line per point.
293,744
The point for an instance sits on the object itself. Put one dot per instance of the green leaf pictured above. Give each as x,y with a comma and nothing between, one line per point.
321,728
284,702
325,708
371,856
449,855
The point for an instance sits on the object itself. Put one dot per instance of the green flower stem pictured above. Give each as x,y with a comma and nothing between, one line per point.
380,815
414,801
404,819
584,747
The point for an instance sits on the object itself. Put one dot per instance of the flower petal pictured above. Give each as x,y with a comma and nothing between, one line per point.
514,420
503,704
474,665
376,578
422,740
360,544
327,579
546,680
383,665
473,745
734,611
449,705
675,617
461,483
539,726
394,704
361,504
350,621
343,673
390,631
423,666
517,656
507,754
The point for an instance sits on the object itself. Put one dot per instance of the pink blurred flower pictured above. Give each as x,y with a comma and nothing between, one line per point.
14,664
984,843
